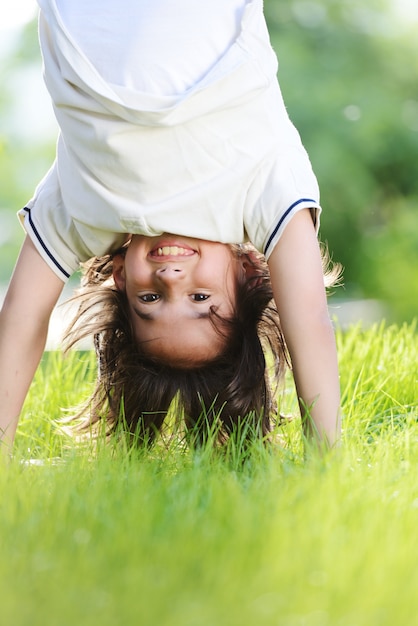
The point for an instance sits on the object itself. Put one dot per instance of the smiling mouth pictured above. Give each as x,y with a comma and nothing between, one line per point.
176,251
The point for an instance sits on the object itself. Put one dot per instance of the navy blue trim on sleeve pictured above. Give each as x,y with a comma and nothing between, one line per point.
39,238
283,217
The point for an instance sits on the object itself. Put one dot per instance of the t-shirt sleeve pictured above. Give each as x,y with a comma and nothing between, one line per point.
52,229
285,185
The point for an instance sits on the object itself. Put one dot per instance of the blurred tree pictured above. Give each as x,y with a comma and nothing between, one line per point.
349,79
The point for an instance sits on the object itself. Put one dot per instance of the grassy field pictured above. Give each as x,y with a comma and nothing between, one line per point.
175,538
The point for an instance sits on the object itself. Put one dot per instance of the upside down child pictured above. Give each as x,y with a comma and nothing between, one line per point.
183,189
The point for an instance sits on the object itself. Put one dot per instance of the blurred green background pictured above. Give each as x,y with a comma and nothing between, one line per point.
349,76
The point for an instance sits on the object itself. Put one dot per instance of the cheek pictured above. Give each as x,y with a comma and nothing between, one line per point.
136,276
216,271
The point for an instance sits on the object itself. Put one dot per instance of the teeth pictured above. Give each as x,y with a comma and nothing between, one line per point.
171,251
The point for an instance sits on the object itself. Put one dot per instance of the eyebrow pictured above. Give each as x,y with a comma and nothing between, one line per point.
150,318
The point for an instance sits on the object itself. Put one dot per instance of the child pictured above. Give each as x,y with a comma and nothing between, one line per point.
174,145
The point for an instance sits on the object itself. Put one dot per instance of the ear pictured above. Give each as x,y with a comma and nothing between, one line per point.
250,267
119,271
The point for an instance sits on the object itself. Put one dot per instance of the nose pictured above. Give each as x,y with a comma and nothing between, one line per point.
170,274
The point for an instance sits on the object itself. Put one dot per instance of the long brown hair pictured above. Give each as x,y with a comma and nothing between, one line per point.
235,390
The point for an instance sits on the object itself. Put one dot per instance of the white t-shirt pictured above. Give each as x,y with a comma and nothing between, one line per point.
206,150
168,46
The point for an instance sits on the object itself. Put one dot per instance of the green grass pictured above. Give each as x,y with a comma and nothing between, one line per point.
174,538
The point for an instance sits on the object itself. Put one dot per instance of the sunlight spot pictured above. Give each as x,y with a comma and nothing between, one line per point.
368,20
352,112
309,14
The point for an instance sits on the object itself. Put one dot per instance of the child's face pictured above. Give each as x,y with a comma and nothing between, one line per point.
171,284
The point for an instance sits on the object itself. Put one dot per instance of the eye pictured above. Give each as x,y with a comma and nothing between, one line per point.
199,297
149,297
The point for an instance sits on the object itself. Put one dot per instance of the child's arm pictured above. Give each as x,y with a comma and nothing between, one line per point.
297,279
32,294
